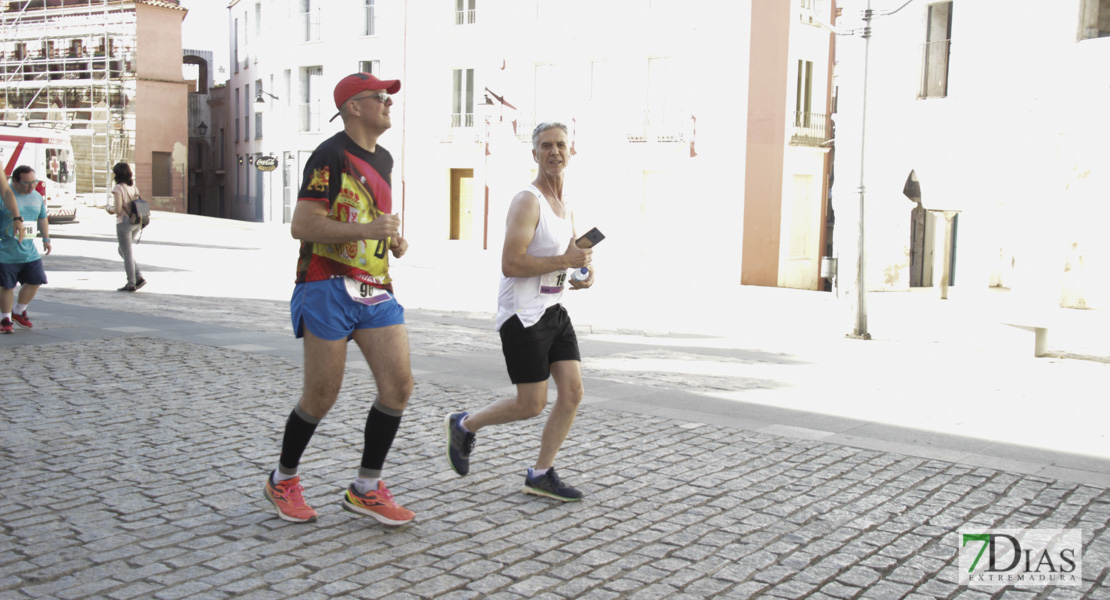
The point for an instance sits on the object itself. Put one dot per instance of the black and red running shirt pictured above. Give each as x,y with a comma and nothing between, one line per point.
355,184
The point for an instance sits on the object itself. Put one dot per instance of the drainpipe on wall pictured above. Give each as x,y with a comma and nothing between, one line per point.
404,109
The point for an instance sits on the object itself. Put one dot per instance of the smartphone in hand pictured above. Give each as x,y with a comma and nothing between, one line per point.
590,239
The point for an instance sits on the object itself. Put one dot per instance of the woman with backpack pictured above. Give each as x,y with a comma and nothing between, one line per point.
124,195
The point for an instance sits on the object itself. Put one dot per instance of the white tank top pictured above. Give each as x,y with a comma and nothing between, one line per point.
529,297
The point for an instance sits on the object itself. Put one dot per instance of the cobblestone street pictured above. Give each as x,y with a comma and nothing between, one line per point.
135,446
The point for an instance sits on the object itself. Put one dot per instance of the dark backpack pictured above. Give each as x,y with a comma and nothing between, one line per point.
140,212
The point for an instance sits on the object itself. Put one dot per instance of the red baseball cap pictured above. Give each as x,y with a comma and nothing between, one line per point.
358,82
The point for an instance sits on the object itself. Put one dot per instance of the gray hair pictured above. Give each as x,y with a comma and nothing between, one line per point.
542,127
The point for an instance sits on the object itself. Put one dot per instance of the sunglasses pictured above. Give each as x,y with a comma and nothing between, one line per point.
382,97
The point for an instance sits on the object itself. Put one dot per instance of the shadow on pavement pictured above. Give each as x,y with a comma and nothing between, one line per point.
147,242
82,263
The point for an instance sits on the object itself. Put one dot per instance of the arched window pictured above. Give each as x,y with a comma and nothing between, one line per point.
200,68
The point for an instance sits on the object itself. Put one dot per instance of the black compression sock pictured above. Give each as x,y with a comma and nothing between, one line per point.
298,431
381,428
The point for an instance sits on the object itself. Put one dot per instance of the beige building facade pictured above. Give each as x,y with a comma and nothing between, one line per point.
109,71
786,217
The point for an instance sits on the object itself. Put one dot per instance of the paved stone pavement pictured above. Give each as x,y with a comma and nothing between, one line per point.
137,430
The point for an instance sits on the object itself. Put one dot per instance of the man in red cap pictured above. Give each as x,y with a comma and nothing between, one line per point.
343,292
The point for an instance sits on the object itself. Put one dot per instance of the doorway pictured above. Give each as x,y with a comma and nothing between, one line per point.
462,204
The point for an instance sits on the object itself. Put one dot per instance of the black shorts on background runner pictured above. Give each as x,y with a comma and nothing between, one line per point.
529,351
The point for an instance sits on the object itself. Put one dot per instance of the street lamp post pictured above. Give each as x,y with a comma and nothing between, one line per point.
859,327
258,99
200,170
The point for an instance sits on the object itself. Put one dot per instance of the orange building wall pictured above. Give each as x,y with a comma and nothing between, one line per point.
767,86
161,102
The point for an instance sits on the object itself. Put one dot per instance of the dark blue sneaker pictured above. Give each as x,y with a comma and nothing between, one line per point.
459,443
550,486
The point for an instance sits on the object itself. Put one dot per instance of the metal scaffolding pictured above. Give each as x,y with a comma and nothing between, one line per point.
72,63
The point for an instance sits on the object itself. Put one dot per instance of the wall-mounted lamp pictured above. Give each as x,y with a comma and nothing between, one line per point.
240,158
250,160
258,99
202,129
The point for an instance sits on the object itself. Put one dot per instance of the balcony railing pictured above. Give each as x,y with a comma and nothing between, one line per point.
465,17
812,11
809,129
462,119
525,124
656,126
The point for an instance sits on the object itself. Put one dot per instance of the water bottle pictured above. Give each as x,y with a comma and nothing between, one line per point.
580,274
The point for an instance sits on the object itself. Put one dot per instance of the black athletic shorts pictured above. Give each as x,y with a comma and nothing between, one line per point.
529,351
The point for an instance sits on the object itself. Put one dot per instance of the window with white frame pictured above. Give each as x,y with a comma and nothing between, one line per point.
310,20
235,48
545,92
935,53
237,114
287,86
372,67
803,100
465,12
602,81
660,89
257,20
663,118
370,28
312,87
248,100
258,113
462,98
547,8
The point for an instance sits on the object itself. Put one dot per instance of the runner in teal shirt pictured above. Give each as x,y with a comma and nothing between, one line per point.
20,261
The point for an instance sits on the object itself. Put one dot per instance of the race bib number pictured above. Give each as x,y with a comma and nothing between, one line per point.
29,229
552,283
365,293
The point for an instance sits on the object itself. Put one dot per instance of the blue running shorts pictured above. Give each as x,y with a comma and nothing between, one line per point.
30,273
330,313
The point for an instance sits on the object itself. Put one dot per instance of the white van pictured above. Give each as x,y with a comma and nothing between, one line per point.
46,148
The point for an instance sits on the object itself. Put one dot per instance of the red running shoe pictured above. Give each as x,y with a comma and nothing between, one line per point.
288,498
22,320
378,504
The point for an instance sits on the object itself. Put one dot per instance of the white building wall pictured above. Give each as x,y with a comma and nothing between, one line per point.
663,210
1003,146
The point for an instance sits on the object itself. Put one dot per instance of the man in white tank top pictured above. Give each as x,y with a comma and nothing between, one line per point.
537,336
